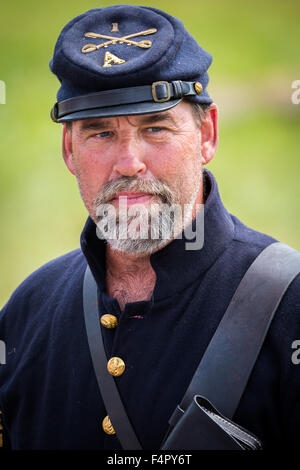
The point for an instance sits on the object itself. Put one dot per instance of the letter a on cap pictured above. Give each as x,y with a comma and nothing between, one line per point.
111,58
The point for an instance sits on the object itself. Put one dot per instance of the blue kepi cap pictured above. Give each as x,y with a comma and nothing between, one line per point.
125,60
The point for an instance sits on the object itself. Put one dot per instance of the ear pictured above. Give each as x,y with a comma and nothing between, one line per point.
209,134
67,149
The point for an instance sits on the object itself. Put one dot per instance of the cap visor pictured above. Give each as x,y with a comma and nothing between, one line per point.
146,107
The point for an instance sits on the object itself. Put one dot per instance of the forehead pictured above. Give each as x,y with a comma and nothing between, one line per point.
177,116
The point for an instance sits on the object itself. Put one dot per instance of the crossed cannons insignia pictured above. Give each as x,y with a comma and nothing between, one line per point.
110,58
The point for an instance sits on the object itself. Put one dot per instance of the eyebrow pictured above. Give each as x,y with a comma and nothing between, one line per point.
94,125
89,125
154,118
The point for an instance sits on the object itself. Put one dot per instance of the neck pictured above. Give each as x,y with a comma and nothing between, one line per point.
118,263
129,278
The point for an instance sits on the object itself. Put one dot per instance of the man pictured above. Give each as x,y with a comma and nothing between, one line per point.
138,127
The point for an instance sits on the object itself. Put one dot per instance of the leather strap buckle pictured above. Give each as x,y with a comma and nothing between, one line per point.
54,113
155,90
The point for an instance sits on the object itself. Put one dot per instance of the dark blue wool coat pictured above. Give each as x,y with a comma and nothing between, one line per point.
48,391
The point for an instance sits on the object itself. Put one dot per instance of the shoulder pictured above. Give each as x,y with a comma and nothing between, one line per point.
285,327
251,243
246,245
34,319
248,238
40,286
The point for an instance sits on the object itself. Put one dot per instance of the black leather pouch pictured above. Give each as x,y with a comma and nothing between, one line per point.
202,427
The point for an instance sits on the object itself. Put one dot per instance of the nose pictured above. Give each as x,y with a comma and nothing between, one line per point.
129,159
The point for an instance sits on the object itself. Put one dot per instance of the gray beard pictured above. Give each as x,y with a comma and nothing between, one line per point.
155,229
149,232
134,238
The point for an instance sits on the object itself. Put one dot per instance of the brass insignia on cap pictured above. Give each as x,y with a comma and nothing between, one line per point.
115,28
145,44
110,58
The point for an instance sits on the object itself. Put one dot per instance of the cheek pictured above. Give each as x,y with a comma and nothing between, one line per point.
91,174
175,162
91,163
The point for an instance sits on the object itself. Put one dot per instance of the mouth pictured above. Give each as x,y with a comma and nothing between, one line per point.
130,197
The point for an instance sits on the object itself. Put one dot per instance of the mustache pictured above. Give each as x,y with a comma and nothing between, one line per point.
155,187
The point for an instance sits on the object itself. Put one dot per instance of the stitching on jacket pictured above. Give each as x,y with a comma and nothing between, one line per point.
232,425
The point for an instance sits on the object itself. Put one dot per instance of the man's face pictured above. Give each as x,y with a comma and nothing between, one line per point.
144,160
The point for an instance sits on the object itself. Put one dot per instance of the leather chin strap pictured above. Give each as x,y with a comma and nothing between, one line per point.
158,92
226,365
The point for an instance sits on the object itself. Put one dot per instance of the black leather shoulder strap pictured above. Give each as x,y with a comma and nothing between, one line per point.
106,382
223,372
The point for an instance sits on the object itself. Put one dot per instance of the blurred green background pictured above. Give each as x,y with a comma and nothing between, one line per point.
256,50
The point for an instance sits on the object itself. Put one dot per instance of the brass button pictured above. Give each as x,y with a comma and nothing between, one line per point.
198,88
107,426
109,321
116,366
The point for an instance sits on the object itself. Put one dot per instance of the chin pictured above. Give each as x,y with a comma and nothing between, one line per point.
137,246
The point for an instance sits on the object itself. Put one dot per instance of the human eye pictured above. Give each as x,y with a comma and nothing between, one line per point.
104,134
155,129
